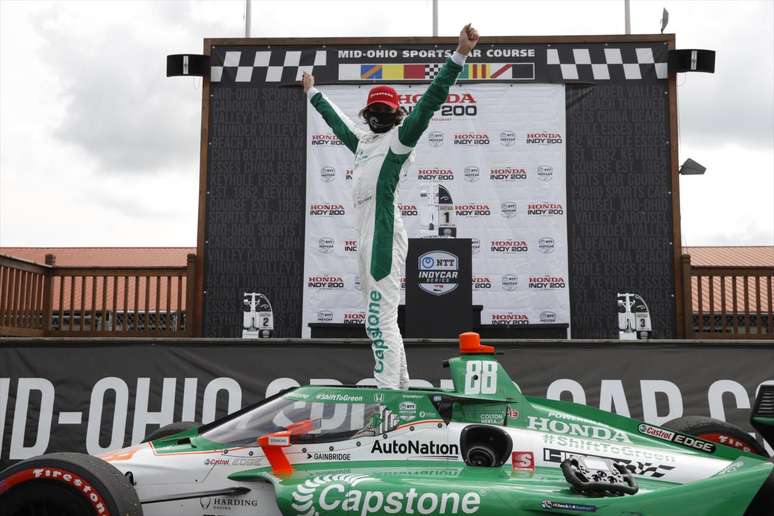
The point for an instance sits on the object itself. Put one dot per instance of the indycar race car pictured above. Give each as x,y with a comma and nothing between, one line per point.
480,448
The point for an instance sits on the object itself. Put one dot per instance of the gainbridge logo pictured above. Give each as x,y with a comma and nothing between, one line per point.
325,139
435,174
325,209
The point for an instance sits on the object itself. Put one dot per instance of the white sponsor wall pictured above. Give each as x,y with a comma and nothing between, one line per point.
499,149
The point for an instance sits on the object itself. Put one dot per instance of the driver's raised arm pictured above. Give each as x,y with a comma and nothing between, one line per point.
415,124
343,126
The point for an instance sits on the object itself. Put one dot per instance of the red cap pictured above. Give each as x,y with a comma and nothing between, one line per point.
383,95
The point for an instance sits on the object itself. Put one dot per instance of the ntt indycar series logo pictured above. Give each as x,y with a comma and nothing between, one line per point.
508,138
508,246
475,244
325,315
547,282
324,209
545,209
326,139
325,245
345,494
546,245
328,174
435,174
508,209
544,138
472,210
471,139
439,272
509,319
507,174
325,282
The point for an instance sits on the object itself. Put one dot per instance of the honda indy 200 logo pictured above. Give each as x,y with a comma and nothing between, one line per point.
344,494
439,272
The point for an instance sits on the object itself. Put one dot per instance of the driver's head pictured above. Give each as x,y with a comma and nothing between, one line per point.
382,111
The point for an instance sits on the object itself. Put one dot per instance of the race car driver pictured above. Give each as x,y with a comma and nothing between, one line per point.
381,152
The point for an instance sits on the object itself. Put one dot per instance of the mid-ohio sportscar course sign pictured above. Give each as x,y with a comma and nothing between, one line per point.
99,396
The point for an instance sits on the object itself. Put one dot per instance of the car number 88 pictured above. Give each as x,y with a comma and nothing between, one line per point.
480,377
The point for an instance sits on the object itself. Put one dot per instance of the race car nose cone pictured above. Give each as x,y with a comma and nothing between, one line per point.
470,343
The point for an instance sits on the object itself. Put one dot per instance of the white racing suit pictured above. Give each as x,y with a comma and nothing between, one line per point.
383,243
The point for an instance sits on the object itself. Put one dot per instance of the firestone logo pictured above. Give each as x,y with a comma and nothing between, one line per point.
324,209
408,210
472,210
507,174
481,283
542,209
435,138
326,139
509,319
547,282
471,139
325,282
508,246
472,173
435,174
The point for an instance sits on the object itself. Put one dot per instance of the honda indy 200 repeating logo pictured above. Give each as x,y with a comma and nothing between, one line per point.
326,209
439,272
344,494
435,174
547,282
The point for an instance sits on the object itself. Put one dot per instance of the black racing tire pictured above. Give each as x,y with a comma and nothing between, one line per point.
66,484
716,431
481,456
170,429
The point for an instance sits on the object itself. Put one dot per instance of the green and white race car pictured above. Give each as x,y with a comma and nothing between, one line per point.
482,448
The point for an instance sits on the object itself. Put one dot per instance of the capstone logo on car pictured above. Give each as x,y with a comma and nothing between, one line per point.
325,494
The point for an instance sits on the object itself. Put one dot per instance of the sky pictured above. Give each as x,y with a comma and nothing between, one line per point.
99,148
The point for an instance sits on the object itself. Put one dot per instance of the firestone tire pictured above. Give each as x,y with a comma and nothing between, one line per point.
717,431
66,484
170,429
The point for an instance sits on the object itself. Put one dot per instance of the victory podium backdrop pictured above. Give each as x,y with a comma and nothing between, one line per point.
559,156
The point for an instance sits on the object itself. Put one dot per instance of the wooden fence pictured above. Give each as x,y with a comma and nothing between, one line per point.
47,300
728,302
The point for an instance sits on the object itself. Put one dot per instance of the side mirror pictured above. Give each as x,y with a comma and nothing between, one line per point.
272,445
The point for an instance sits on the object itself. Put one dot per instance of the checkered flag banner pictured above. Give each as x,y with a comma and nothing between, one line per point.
278,66
608,63
432,70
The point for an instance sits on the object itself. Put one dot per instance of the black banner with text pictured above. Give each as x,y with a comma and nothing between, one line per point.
95,397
